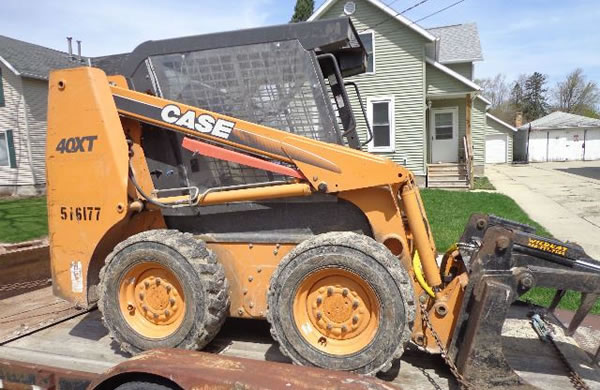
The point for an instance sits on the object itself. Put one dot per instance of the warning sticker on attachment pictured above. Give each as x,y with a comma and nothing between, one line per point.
76,277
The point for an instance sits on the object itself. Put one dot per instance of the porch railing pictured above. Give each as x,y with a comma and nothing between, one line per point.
468,147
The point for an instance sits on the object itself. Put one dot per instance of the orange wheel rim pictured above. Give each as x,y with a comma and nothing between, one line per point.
151,300
336,311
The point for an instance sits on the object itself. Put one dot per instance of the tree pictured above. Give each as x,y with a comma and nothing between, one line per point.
534,100
576,95
495,89
303,10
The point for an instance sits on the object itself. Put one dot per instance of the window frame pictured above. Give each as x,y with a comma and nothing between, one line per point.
392,119
373,46
445,110
10,149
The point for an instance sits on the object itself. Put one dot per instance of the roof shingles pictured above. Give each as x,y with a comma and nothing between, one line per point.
33,60
458,43
561,120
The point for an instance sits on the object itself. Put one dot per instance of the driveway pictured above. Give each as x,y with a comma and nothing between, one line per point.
564,197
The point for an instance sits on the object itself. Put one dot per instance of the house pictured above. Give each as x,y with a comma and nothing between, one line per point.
24,69
425,110
559,136
499,140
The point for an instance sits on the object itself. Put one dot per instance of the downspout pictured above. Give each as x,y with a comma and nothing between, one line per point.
29,153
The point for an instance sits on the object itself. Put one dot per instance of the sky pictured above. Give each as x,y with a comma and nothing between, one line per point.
517,36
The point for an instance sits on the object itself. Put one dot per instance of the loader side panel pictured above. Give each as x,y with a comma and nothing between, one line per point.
87,174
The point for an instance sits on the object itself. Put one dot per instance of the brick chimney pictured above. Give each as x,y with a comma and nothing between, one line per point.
518,119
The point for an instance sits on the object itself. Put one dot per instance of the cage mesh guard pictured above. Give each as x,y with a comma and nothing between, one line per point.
275,84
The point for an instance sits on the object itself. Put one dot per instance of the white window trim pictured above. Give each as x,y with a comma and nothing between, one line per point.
374,56
392,113
7,149
444,110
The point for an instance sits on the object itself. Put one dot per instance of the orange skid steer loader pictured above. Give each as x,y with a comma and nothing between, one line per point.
221,176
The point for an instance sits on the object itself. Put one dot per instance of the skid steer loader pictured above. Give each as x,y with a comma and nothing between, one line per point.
221,176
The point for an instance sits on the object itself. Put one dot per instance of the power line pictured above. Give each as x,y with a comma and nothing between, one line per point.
437,12
398,13
413,6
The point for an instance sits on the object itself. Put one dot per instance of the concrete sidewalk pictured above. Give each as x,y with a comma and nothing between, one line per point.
567,205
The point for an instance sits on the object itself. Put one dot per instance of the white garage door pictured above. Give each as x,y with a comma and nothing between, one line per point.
495,149
565,145
592,144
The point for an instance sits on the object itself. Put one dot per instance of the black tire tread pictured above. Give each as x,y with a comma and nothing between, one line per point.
368,246
208,269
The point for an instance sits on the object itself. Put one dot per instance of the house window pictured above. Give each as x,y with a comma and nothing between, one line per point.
444,125
368,41
381,118
1,90
7,150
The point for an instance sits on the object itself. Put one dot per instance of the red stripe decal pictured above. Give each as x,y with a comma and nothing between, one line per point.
229,155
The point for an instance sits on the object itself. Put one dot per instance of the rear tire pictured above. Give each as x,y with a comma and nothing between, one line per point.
341,301
162,289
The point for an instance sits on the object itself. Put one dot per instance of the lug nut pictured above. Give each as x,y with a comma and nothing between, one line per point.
172,301
319,315
355,304
147,284
142,296
145,308
345,292
168,288
157,281
319,300
355,319
329,290
329,326
344,328
167,313
130,307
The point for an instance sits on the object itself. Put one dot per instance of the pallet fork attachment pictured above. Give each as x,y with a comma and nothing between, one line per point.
506,260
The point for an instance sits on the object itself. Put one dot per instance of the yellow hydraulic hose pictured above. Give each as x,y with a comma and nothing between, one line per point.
419,274
419,270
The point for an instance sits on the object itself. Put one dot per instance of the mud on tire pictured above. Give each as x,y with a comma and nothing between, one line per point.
200,276
363,257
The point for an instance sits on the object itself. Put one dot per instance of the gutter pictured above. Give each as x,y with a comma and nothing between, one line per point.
9,66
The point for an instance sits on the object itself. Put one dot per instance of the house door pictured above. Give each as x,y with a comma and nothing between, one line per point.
444,135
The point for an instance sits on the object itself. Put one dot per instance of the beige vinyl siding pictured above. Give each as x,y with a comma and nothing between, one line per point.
440,83
495,128
478,131
36,99
12,118
464,69
461,104
399,72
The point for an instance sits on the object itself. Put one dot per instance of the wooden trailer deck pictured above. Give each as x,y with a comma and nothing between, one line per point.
41,329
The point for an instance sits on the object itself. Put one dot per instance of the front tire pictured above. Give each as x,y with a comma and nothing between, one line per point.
162,289
341,301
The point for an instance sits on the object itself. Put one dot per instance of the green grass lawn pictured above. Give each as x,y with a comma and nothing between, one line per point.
483,183
449,211
23,219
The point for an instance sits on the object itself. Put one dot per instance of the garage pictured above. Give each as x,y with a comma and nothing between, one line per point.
495,149
498,141
559,136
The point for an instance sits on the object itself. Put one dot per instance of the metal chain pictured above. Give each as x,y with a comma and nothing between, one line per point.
574,377
463,383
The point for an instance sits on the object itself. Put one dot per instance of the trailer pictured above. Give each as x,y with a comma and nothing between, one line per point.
46,343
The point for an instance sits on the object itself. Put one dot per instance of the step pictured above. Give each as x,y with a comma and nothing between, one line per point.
446,169
450,184
445,179
447,173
